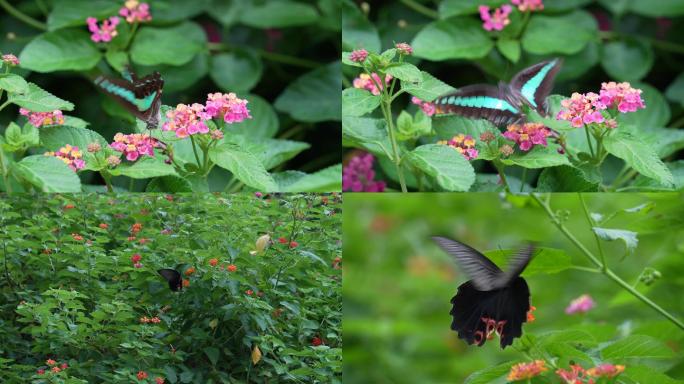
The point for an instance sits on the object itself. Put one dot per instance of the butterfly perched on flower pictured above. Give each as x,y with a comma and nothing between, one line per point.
503,104
140,96
173,277
492,301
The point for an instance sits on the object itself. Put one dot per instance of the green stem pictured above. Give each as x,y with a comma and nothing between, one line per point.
522,179
131,35
194,150
591,148
591,225
420,8
500,168
607,272
5,172
386,109
272,56
22,16
6,103
108,180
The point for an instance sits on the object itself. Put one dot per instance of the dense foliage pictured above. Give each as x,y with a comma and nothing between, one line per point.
81,300
390,86
281,57
398,285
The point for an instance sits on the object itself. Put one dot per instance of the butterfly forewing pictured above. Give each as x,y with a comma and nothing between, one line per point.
480,101
517,263
173,277
482,271
536,82
141,96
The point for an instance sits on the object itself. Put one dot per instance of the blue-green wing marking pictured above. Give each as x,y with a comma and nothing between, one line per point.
535,83
478,102
532,84
141,104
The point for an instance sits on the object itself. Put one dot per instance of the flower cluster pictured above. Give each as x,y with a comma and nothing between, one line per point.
135,259
228,106
10,59
213,262
497,20
135,12
621,96
39,119
135,145
581,109
528,5
427,107
606,370
358,56
358,175
187,120
527,135
70,155
316,341
578,375
403,48
231,268
147,320
524,371
368,82
52,366
135,228
581,304
465,144
104,33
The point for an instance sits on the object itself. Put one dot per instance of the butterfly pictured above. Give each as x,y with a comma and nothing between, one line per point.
142,97
173,277
502,104
492,301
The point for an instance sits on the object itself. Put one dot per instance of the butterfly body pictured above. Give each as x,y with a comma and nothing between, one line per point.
140,96
173,277
504,104
493,301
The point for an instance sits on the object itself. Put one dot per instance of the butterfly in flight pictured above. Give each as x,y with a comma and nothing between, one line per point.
140,96
173,277
492,301
503,104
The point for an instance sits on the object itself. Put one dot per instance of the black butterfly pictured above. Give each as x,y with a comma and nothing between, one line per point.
491,302
173,277
502,105
142,97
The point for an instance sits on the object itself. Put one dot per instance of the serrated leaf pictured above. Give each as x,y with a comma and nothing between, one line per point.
629,238
428,88
444,164
315,96
37,99
638,155
47,174
358,102
175,45
326,180
65,49
405,71
244,165
454,38
144,168
13,83
544,32
636,346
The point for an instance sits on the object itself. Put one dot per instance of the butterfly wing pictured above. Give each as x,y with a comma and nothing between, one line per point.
480,101
536,82
483,273
173,277
141,97
517,264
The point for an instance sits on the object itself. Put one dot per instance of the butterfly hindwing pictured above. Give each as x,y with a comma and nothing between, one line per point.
480,101
483,272
141,96
173,277
536,82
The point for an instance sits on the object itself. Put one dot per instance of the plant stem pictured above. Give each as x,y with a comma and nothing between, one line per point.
420,8
108,180
500,168
591,148
194,150
386,109
591,225
605,271
130,36
22,16
6,103
522,179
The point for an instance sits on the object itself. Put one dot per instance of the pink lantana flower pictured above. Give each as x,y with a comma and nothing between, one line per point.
358,56
581,304
404,48
427,107
527,135
496,21
528,5
358,175
228,106
464,144
39,119
135,12
70,155
134,145
582,109
104,33
606,370
621,96
10,59
365,81
187,120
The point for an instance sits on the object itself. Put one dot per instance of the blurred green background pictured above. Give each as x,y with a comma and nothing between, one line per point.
398,285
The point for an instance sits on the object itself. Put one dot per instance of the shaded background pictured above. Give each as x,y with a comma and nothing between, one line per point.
398,285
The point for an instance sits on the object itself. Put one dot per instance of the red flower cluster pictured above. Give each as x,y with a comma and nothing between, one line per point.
146,320
231,268
135,228
316,341
53,366
213,262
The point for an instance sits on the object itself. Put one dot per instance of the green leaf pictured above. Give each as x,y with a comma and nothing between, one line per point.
55,137
326,180
47,174
490,374
271,152
404,71
537,157
544,261
65,49
315,96
448,8
178,78
576,65
369,134
174,184
665,141
656,113
646,374
677,169
638,155
37,99
454,38
564,5
173,45
279,14
675,91
636,346
357,31
166,11
627,60
444,164
118,59
543,33
144,168
212,353
244,165
73,13
660,8
237,71
509,48
358,102
448,126
264,122
13,83
565,178
428,88
629,238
